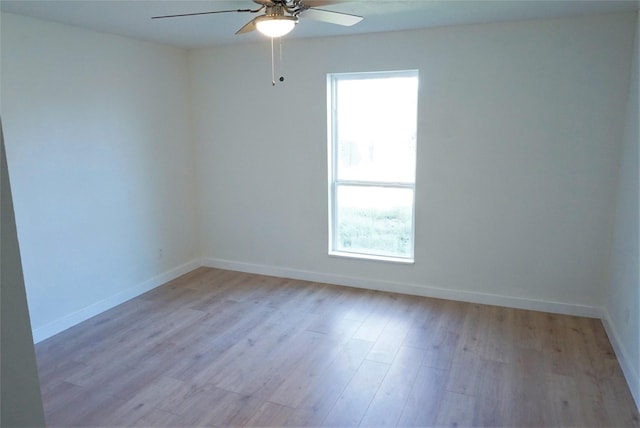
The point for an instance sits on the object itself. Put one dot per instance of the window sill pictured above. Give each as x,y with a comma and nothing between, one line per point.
360,256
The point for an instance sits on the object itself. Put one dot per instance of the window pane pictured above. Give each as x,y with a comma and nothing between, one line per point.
374,220
376,129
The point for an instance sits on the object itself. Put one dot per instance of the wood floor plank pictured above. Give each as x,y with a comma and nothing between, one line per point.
208,406
335,326
566,403
385,307
322,394
182,396
356,397
53,375
275,370
493,395
221,348
270,415
305,373
473,335
390,398
142,404
532,406
560,357
92,408
616,397
465,374
60,395
239,363
528,332
441,350
436,319
423,403
363,303
110,326
456,410
157,418
529,362
390,340
499,343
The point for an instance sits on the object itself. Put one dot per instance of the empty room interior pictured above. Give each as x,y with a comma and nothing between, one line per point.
418,213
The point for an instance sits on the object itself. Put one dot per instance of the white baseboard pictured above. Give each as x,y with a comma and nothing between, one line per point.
413,289
630,373
59,325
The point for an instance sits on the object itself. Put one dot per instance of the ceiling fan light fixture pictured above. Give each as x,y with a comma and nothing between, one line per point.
275,26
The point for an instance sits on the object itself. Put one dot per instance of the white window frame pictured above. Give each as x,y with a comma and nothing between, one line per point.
334,182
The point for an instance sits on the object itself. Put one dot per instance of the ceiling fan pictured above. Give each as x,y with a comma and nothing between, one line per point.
281,16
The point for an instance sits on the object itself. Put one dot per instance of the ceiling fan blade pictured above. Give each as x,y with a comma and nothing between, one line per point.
331,17
320,3
264,2
248,27
202,13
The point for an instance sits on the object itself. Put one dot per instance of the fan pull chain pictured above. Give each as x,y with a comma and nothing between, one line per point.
273,67
281,66
273,63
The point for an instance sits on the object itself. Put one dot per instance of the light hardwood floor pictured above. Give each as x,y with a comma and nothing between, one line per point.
222,348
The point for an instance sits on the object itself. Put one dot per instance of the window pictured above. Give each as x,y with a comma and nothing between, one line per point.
372,164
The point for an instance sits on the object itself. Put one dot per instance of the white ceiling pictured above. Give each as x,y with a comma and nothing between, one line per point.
133,17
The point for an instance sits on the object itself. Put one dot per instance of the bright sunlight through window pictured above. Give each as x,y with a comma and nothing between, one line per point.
372,164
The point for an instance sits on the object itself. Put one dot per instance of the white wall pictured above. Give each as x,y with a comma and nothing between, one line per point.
622,311
518,147
99,149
